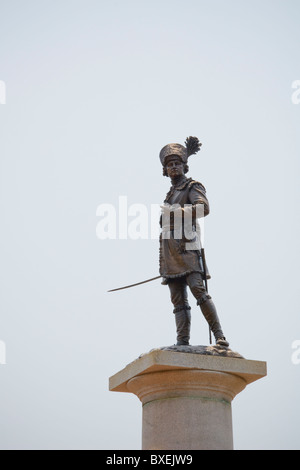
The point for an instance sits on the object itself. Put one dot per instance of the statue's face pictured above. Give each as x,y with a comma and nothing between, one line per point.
174,167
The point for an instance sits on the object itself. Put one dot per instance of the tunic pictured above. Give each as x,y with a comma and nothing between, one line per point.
176,258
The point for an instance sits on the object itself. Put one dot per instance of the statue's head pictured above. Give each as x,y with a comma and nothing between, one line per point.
174,166
177,152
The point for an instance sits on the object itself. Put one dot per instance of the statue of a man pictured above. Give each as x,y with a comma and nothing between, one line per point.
181,266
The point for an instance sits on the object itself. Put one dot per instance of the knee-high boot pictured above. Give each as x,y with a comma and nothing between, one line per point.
210,313
183,325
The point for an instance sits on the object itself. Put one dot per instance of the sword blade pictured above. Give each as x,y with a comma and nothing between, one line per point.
204,268
136,284
206,286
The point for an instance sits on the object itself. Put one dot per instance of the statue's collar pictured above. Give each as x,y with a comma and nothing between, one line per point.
181,184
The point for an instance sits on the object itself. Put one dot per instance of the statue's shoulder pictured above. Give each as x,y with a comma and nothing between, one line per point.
197,184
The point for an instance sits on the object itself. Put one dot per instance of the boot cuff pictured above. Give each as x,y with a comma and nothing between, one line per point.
203,299
181,307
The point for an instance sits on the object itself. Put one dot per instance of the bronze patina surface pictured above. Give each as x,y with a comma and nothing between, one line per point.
181,266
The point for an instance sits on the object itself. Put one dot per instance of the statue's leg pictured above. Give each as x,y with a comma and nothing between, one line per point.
182,310
195,283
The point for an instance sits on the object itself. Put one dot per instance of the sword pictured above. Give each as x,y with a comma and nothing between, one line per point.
136,284
205,282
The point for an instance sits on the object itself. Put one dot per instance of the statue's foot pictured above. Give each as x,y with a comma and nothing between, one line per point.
222,342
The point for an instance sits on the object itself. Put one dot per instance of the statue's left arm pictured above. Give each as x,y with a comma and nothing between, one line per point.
197,195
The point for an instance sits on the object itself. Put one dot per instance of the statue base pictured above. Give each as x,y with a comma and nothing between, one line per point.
186,394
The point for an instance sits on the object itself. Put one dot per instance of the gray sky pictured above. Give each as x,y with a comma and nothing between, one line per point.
94,90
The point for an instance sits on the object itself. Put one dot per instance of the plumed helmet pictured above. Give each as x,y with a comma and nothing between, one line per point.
192,146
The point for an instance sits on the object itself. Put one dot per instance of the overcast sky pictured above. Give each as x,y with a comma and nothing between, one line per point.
94,90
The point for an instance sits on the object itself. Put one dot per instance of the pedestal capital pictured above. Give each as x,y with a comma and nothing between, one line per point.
159,360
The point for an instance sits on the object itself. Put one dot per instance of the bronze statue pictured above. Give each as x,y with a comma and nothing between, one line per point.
181,267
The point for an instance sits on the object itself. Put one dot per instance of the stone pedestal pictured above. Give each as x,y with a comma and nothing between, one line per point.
186,396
